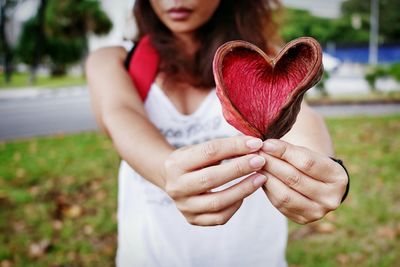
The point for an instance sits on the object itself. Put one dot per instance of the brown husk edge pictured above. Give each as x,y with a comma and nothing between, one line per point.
285,119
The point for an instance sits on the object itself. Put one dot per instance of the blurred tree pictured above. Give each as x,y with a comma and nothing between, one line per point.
302,23
66,26
40,39
6,10
383,71
389,19
69,21
343,32
26,44
321,85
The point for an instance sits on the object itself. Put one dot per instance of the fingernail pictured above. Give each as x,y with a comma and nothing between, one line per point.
270,146
257,162
259,180
254,143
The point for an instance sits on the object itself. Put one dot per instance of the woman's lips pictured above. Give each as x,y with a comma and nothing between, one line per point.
179,14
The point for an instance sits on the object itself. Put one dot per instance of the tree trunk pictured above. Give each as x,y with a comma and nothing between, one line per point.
40,40
85,54
8,56
58,70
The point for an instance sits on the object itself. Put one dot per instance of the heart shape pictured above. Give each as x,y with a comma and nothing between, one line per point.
261,96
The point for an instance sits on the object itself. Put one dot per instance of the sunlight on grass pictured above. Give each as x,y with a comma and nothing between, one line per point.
20,80
371,97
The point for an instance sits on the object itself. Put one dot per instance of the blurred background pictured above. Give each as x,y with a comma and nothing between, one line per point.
58,173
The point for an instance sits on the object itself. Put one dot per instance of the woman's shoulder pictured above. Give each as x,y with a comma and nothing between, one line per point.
107,54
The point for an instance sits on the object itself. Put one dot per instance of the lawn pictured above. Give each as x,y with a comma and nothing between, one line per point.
58,201
21,80
371,97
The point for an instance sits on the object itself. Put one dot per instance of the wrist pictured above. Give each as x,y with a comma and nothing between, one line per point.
164,167
346,192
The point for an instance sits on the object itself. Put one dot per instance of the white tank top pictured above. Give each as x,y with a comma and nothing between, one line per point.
152,231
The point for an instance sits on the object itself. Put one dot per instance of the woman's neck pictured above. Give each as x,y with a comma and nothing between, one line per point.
188,42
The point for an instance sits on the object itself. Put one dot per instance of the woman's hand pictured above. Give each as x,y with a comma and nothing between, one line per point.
192,172
302,184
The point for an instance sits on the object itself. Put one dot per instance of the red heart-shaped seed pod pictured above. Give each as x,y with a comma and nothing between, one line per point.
261,96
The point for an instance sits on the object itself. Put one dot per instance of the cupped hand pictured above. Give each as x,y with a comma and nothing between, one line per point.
190,173
302,184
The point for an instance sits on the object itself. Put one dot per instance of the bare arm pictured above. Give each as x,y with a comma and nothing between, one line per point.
310,131
188,174
120,113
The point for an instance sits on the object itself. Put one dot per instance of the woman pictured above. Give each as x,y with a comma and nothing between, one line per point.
170,180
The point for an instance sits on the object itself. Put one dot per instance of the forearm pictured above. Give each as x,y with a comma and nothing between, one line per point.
139,143
121,114
310,131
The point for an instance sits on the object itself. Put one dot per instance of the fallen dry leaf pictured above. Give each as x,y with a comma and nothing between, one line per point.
17,156
34,190
4,199
343,259
301,233
387,232
95,185
18,226
312,228
73,211
6,263
65,209
71,256
20,173
101,195
68,180
57,224
358,257
88,229
325,228
331,216
108,249
37,250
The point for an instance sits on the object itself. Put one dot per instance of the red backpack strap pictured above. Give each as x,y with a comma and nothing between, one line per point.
142,65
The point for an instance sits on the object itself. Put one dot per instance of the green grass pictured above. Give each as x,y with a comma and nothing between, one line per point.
365,231
61,192
371,97
20,80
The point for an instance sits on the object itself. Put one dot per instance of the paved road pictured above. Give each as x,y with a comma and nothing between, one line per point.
44,112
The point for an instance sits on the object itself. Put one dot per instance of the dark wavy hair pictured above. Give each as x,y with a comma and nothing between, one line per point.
252,21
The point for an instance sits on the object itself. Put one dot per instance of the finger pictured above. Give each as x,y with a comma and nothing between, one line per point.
211,177
292,204
324,194
217,218
309,162
221,200
205,154
293,178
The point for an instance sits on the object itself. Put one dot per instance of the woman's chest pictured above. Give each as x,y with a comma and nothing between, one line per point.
184,97
205,123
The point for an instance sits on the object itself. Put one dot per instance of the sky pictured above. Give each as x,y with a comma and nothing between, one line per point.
330,8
